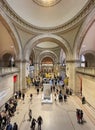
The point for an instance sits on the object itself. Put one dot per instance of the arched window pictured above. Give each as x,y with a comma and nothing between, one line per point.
6,59
82,59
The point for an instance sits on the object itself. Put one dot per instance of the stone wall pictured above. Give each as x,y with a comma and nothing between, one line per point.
87,82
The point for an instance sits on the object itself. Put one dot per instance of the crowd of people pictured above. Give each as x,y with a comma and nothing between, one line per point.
19,95
7,113
57,88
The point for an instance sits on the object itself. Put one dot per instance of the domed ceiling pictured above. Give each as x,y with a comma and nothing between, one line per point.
40,15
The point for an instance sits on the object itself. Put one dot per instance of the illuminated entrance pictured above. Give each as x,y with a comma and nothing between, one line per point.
47,67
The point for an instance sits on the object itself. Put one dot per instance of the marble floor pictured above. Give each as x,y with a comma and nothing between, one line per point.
56,116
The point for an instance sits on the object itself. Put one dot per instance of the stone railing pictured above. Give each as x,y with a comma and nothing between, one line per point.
86,70
8,70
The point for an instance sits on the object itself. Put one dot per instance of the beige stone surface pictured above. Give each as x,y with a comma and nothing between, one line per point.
56,116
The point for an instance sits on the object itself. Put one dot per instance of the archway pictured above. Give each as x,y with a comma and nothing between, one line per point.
6,58
47,66
11,31
47,37
85,39
51,62
89,59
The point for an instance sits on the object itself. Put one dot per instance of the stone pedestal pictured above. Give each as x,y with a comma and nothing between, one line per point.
47,95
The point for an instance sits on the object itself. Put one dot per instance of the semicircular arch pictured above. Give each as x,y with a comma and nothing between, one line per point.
88,51
47,37
48,53
12,32
82,33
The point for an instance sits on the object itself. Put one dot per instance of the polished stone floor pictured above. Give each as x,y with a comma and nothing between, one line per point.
56,116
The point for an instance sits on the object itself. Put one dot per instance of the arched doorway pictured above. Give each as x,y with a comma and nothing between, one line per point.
47,67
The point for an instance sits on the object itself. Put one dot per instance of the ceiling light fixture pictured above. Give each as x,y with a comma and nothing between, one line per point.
46,3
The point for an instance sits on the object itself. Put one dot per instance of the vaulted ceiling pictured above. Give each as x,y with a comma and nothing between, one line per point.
29,13
51,16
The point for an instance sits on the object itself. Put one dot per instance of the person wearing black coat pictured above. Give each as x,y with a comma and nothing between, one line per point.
39,120
15,126
33,124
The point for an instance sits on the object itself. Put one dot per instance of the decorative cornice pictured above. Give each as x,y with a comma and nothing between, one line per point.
17,19
72,61
21,61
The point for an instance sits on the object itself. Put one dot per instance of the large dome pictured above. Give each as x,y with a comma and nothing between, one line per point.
47,17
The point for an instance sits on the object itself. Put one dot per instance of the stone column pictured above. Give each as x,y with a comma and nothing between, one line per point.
70,72
22,74
36,69
19,65
56,68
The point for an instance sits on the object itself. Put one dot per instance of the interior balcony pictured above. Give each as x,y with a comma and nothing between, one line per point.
8,70
86,70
